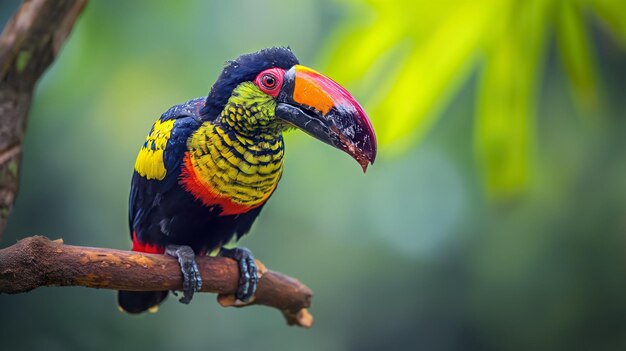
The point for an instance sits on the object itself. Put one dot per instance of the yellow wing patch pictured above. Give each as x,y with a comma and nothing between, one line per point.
149,163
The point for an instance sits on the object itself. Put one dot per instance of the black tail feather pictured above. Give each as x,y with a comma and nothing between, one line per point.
139,301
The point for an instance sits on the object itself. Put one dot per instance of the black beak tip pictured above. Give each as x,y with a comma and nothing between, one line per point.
362,148
369,152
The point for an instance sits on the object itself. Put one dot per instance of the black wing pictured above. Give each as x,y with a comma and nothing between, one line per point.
145,193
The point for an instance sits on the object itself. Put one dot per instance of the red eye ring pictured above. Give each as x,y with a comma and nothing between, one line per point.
270,81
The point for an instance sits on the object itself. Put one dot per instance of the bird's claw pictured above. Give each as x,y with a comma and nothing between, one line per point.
248,272
192,281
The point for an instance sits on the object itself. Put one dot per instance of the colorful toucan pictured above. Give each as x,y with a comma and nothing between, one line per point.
208,166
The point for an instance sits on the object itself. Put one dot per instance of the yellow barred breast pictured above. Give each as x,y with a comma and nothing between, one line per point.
149,163
244,171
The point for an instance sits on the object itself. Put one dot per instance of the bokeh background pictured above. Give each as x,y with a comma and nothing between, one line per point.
493,219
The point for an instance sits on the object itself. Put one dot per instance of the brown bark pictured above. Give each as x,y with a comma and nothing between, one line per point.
37,261
28,44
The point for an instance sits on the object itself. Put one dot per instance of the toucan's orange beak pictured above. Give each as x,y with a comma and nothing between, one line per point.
325,110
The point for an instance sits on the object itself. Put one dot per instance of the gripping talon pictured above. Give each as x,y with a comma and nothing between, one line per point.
192,281
248,272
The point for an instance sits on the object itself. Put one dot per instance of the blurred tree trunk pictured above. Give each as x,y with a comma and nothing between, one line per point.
28,44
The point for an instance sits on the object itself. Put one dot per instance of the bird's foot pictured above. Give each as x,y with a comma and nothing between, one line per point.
192,281
248,272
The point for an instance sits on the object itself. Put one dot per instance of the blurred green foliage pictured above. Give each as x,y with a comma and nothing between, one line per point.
414,255
410,57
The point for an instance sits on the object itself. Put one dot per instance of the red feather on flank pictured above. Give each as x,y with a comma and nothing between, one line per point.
147,248
206,194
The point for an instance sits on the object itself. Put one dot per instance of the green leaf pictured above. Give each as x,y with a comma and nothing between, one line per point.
505,120
613,14
437,65
576,53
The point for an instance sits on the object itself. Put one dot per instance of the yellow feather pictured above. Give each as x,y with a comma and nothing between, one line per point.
149,163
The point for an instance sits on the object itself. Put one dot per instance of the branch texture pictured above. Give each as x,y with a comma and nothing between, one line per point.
37,261
28,44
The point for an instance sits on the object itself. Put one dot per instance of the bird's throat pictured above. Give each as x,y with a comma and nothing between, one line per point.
250,114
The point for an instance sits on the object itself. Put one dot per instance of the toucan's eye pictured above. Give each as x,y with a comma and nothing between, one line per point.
270,81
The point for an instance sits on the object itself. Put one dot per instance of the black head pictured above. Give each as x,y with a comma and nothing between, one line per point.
245,68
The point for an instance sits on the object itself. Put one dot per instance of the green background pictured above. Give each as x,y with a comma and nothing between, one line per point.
427,251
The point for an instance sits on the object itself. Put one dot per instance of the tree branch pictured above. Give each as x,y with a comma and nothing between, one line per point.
37,261
28,44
